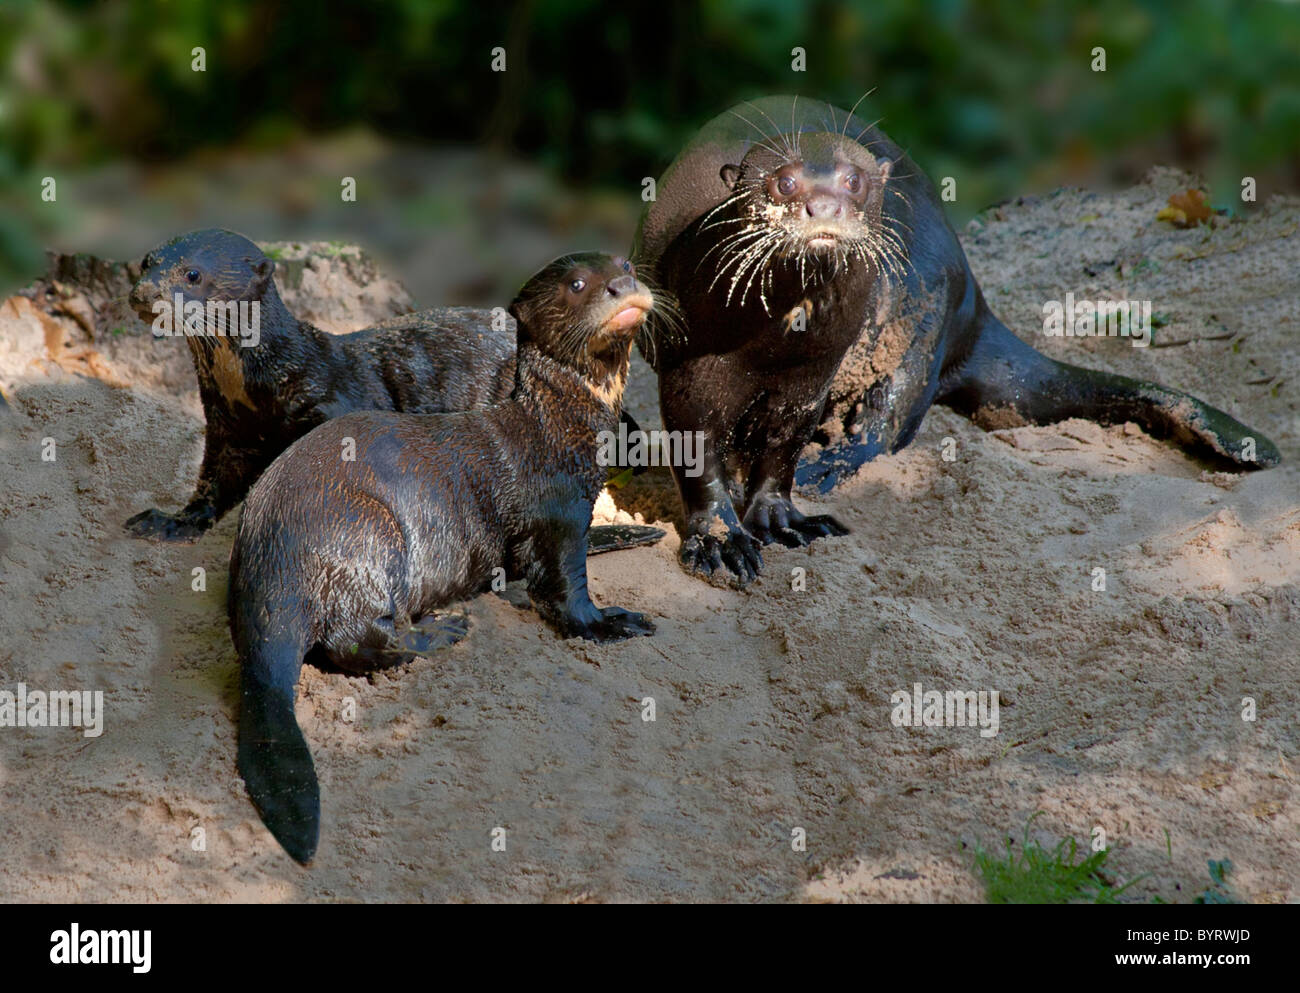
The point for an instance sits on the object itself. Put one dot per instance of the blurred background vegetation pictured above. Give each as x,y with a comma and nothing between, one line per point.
296,93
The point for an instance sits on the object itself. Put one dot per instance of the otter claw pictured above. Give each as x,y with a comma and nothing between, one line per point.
434,632
820,526
617,624
153,523
788,537
737,552
773,518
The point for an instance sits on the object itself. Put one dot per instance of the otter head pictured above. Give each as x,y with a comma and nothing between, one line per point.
584,311
202,266
812,194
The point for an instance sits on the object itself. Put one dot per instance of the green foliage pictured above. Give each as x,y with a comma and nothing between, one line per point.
1039,875
998,93
608,93
1219,891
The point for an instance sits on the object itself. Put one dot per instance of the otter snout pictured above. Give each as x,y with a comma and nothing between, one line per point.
624,285
142,297
825,207
626,298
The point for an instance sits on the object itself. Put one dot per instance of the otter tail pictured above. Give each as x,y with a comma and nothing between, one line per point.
273,755
1003,374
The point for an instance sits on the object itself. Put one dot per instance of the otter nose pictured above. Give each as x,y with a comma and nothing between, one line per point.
824,208
621,285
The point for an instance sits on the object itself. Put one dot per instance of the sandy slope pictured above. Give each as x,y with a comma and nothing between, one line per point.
1120,709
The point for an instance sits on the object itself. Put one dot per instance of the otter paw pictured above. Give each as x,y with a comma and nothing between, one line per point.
434,632
708,556
616,624
153,523
776,519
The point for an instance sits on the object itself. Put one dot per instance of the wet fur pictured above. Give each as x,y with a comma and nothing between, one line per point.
761,392
350,560
257,400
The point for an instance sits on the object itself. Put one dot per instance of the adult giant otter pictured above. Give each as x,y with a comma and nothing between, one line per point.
291,376
793,234
349,558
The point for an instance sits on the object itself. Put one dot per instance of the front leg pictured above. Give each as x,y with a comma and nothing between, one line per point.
715,544
187,525
224,479
556,576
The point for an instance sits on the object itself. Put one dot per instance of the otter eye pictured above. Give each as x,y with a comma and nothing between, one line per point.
578,285
854,182
192,275
147,263
785,185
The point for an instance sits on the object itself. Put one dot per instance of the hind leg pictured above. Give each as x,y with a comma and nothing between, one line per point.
886,417
715,545
1003,373
387,643
880,436
840,461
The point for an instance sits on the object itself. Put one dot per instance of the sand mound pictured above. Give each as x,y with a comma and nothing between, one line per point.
1120,709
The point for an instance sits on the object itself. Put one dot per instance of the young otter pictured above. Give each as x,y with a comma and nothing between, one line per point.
789,247
350,557
291,376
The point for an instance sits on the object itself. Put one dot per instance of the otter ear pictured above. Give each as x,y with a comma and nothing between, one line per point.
885,168
264,269
729,174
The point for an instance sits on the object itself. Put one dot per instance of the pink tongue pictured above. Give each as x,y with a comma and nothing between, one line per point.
625,317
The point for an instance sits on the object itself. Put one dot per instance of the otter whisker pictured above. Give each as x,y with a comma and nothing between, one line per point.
777,134
858,137
720,222
735,238
794,128
853,110
737,195
738,255
744,261
765,137
752,257
754,270
733,241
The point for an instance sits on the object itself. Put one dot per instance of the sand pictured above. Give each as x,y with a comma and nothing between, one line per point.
1121,710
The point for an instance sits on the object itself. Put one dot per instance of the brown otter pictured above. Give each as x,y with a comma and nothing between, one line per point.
290,376
349,557
789,245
